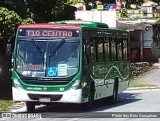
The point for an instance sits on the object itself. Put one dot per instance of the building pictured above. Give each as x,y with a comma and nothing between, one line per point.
144,42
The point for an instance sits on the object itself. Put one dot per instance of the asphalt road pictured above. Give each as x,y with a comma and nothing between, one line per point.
138,103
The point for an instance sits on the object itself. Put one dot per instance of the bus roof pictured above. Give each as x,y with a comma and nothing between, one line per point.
71,24
47,25
83,23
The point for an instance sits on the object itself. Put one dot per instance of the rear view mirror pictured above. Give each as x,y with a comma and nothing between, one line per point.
10,45
9,49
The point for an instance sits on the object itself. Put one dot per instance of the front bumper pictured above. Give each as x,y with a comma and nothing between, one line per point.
70,96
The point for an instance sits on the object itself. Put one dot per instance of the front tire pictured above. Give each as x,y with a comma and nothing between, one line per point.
87,106
30,106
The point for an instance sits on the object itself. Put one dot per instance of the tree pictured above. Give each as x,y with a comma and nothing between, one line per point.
41,10
49,10
12,14
19,6
9,20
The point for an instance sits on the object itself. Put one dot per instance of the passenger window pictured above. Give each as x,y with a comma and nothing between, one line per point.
113,49
119,49
100,49
106,49
92,50
125,50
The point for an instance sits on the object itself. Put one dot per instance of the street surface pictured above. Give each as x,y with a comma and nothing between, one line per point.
147,100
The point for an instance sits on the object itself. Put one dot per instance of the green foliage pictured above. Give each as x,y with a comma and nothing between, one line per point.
45,10
4,105
73,2
19,6
145,1
27,20
9,20
124,13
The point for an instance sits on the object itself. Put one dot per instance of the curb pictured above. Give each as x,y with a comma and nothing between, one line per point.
143,88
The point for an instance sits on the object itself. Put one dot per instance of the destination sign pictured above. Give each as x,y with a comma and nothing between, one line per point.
39,32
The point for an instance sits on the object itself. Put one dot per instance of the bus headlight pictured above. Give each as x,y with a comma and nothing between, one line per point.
17,84
74,86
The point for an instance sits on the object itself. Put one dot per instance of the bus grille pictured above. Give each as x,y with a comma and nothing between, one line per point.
44,82
52,97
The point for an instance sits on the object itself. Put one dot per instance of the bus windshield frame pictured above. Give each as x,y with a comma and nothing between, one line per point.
50,57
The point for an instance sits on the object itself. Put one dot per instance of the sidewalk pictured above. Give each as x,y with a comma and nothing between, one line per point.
152,78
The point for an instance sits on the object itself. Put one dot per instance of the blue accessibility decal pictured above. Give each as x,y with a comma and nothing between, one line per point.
52,71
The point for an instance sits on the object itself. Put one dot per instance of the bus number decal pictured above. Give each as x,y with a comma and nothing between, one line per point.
61,89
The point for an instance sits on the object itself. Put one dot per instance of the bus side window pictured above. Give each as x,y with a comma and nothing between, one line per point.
100,49
119,49
106,49
113,49
125,50
155,35
92,50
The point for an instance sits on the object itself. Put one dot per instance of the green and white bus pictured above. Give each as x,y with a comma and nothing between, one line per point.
69,62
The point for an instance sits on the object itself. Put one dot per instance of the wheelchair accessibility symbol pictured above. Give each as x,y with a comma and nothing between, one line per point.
52,71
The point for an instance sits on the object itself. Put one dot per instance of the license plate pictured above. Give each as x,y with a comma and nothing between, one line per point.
44,100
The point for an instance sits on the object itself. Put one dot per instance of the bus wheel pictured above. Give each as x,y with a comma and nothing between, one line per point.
113,98
87,106
30,106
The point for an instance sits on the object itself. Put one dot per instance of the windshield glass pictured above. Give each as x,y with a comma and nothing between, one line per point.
64,59
47,58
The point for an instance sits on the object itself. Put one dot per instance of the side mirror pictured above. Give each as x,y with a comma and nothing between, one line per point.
9,49
10,45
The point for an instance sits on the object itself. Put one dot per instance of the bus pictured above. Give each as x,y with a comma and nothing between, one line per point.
69,62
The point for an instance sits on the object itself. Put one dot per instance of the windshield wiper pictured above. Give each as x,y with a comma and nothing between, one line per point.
57,47
37,47
41,52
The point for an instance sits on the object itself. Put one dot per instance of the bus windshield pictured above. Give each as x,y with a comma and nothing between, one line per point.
47,58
